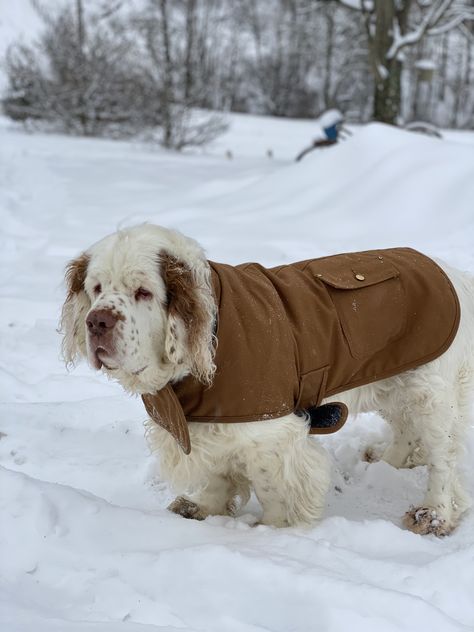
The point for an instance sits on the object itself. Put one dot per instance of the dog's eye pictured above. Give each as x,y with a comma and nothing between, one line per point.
142,294
98,289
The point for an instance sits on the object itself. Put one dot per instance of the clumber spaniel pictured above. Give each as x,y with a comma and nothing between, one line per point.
140,307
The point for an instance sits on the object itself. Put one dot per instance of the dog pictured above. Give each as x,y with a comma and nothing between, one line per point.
140,307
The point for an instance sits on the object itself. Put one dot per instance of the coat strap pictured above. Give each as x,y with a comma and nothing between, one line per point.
327,418
165,410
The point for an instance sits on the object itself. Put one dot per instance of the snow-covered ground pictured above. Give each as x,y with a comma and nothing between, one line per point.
86,541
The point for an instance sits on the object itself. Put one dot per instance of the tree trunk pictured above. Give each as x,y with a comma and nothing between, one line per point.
467,76
80,25
190,29
419,111
81,71
387,72
387,95
443,71
329,17
458,88
167,90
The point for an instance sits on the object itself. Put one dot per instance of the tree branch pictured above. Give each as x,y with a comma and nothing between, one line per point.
431,19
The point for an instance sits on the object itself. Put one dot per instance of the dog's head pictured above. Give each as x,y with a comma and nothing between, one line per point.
140,307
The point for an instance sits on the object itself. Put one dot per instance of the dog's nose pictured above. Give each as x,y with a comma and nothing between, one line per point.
101,321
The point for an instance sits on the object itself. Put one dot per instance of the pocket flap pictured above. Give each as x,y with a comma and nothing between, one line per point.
352,271
367,294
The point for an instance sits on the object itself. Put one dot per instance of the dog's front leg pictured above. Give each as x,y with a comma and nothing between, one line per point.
289,472
216,497
202,479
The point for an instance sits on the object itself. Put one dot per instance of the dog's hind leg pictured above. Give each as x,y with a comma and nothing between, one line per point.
439,418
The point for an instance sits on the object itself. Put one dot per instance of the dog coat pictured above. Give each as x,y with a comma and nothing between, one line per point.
289,337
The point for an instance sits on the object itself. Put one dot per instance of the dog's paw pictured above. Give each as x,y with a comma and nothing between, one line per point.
372,453
424,520
186,508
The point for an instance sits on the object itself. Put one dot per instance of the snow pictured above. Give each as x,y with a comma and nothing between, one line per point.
425,64
357,4
329,118
382,71
86,541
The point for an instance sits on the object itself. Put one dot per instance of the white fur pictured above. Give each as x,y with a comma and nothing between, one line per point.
427,408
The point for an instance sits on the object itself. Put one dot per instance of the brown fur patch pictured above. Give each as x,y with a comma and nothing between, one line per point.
76,271
183,299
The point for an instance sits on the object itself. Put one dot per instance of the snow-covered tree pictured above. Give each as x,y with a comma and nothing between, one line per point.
80,75
128,65
171,35
392,26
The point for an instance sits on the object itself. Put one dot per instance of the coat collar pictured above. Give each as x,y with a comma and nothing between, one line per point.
166,411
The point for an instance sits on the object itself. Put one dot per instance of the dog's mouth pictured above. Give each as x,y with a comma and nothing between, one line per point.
101,359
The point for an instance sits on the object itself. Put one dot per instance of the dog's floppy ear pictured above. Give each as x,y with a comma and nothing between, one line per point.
75,308
191,313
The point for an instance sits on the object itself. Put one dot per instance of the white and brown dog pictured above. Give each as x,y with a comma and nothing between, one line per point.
117,315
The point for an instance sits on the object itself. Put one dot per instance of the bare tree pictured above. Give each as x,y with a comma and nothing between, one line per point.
394,25
79,78
171,72
89,75
165,64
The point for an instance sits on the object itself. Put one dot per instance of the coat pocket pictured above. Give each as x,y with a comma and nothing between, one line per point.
369,300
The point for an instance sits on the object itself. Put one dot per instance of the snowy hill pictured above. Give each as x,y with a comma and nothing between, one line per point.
86,541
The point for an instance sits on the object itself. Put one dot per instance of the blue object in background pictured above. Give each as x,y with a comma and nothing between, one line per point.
331,131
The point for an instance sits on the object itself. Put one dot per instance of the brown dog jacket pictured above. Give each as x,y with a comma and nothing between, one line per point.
290,336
